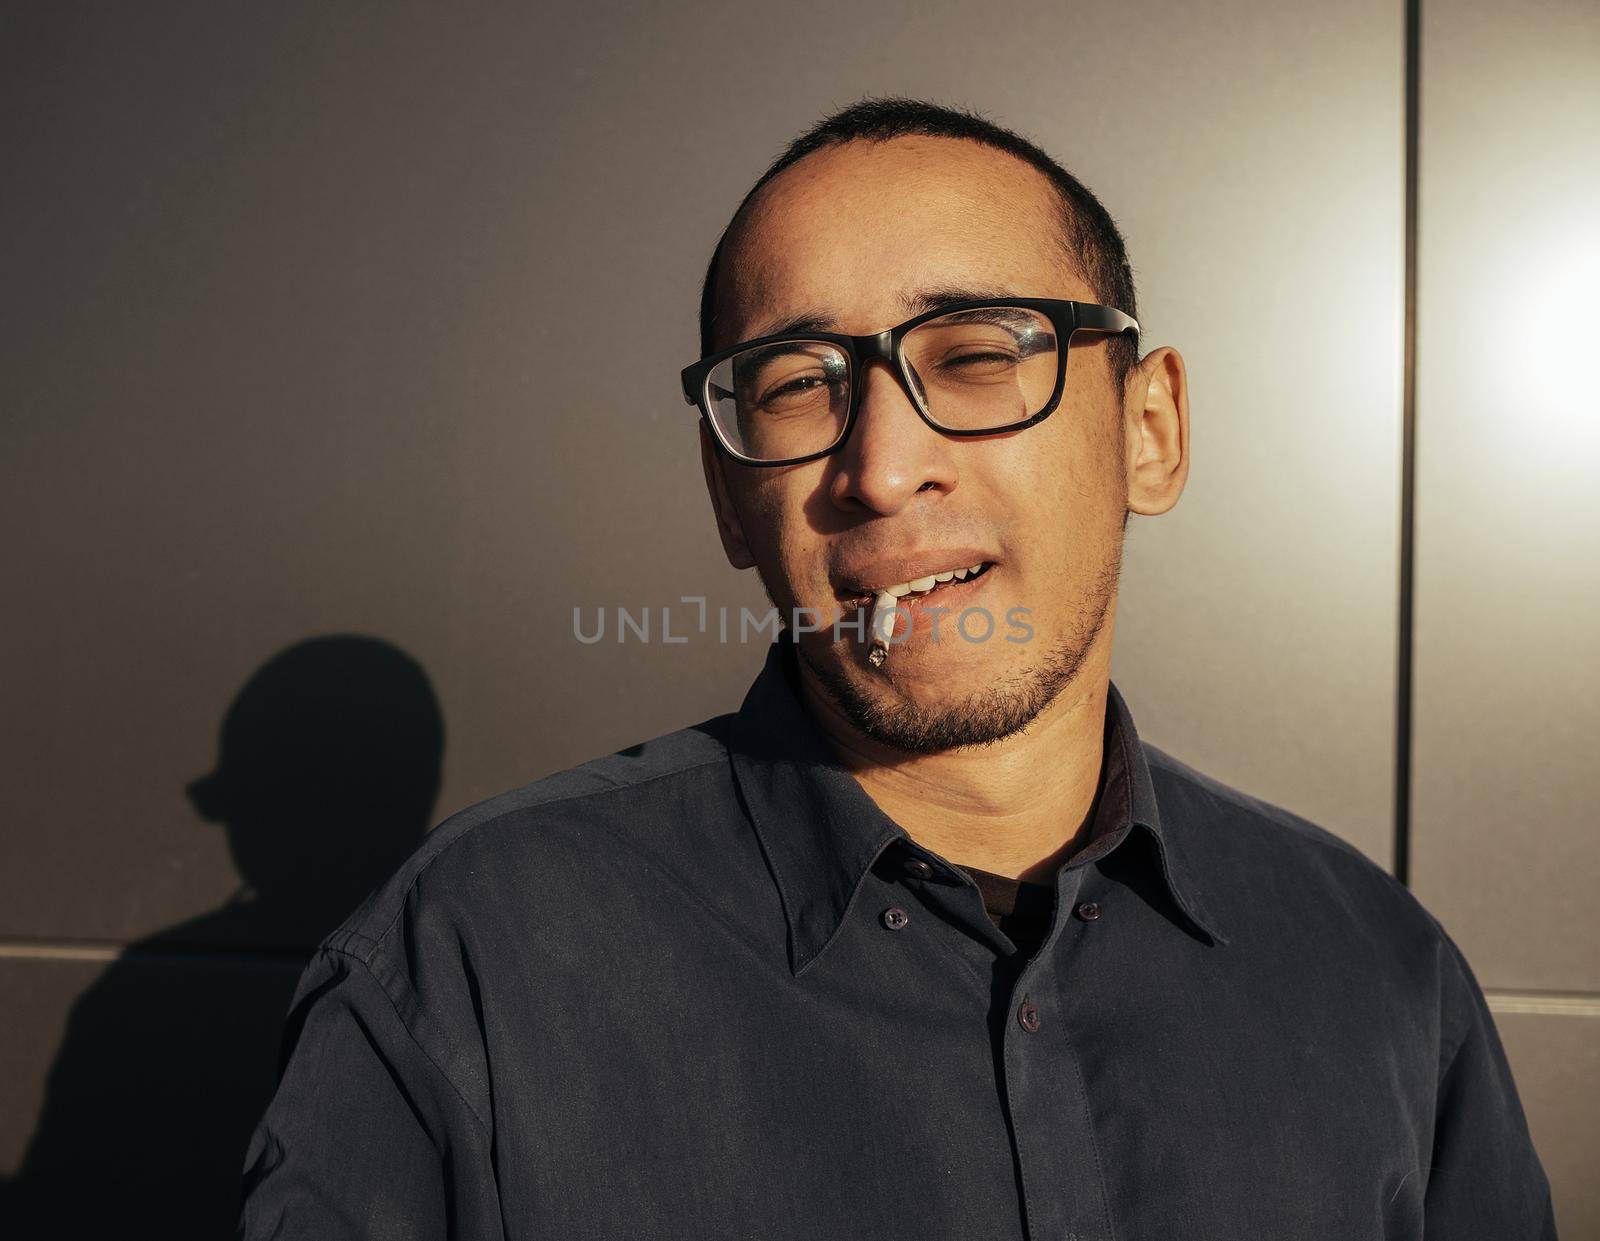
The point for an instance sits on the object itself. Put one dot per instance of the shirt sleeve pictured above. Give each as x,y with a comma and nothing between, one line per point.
366,1137
1485,1179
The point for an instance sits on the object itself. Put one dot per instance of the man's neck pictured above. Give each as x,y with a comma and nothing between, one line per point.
1018,807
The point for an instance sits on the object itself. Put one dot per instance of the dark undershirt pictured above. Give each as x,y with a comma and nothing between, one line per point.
1021,910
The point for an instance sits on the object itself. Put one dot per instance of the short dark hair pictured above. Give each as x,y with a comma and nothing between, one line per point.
1091,237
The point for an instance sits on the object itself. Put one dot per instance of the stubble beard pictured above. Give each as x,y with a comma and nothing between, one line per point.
984,716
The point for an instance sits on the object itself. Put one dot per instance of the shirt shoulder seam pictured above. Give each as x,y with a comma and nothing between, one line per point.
1357,868
412,1038
374,943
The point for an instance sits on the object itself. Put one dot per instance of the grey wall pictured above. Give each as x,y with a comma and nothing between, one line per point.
301,309
1507,785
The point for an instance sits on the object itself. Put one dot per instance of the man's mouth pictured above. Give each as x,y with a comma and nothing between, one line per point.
914,590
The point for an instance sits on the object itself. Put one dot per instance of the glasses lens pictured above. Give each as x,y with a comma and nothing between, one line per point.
784,400
976,369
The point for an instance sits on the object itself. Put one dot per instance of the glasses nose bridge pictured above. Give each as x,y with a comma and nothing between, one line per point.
881,347
878,347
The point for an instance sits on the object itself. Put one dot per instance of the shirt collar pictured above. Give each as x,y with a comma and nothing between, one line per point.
821,832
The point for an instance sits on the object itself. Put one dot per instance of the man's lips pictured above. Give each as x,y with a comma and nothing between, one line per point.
906,575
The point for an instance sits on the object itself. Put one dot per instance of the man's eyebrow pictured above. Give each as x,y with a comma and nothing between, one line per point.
919,302
810,321
925,300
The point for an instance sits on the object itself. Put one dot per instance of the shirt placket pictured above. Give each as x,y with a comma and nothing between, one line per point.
1052,1134
1058,1157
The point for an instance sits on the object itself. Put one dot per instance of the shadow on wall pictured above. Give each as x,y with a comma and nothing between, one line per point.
327,777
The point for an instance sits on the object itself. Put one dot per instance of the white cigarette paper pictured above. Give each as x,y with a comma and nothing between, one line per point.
882,628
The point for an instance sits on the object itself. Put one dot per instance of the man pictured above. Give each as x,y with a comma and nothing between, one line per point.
922,941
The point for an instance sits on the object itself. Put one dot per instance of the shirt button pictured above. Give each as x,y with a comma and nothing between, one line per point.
894,917
1028,1016
918,868
1088,911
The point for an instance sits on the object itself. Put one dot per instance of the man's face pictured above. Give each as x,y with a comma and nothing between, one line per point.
855,234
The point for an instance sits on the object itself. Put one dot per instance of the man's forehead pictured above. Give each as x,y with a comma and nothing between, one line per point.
848,236
838,299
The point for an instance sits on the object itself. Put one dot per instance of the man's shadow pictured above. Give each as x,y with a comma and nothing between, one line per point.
327,777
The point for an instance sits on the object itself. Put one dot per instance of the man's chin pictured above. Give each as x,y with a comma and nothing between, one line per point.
927,705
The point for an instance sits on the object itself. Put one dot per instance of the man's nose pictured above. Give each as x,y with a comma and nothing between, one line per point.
892,454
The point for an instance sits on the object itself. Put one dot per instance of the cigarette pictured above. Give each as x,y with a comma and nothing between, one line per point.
882,628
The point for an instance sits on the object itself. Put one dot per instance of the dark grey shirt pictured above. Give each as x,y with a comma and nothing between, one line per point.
705,988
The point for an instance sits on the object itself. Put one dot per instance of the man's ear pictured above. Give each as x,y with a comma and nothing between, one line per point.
728,524
1157,432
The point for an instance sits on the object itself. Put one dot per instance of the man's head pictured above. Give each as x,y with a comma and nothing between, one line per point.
1089,238
857,224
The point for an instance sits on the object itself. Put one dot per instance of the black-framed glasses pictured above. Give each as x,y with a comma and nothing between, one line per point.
970,368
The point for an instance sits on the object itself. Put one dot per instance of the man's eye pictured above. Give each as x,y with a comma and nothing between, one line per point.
790,391
802,384
989,360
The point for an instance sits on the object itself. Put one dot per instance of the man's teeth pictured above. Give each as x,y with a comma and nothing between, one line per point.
921,585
